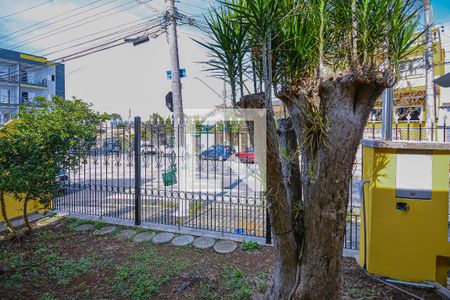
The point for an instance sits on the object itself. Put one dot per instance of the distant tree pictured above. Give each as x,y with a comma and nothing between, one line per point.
47,138
115,117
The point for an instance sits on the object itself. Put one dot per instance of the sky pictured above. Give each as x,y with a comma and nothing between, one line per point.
125,78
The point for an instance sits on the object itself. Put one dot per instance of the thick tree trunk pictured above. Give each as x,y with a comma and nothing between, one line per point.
8,225
346,103
325,201
283,279
309,265
290,166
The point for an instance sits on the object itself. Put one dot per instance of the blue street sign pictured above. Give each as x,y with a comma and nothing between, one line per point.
182,74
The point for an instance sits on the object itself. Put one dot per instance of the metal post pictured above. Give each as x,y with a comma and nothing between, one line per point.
429,76
137,171
445,134
268,228
388,103
175,68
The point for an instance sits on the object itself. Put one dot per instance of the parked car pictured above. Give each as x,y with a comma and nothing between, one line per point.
218,152
247,156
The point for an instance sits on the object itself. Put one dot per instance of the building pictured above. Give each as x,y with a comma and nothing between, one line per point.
24,77
410,93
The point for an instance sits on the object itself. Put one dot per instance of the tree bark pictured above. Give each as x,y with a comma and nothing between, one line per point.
283,279
25,213
8,225
309,265
346,102
290,167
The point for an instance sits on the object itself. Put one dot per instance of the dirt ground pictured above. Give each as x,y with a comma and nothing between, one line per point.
55,262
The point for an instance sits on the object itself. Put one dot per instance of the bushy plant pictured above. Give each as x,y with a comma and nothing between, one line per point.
48,137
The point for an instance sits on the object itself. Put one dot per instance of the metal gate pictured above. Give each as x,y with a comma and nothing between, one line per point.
134,172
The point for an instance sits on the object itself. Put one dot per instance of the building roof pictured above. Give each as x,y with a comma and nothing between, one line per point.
443,81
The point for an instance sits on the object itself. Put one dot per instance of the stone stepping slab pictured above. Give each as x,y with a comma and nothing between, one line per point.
203,242
84,227
182,240
225,247
105,230
143,237
126,234
163,238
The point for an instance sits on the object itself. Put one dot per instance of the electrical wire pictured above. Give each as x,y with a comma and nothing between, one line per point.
97,48
55,32
25,10
48,19
64,58
89,35
98,38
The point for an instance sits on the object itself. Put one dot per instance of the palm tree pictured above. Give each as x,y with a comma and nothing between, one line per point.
228,48
333,59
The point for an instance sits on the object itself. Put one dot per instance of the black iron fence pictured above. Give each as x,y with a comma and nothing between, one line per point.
411,131
135,172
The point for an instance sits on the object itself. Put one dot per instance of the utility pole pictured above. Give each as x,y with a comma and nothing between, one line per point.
178,115
429,73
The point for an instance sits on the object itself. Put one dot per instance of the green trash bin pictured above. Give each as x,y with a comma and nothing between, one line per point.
170,176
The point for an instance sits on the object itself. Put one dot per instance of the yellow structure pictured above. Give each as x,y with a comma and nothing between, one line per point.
14,208
406,200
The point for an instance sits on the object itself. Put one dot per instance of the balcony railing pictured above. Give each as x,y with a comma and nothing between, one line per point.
9,79
35,82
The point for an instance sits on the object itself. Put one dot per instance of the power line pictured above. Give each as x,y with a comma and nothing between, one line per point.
88,51
55,32
96,38
62,59
49,19
25,10
92,34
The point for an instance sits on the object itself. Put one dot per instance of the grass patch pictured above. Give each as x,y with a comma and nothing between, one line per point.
11,278
237,283
65,269
207,291
250,246
47,296
49,234
73,223
146,274
359,292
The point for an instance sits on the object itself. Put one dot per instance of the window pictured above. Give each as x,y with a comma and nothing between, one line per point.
53,77
376,115
4,96
402,113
